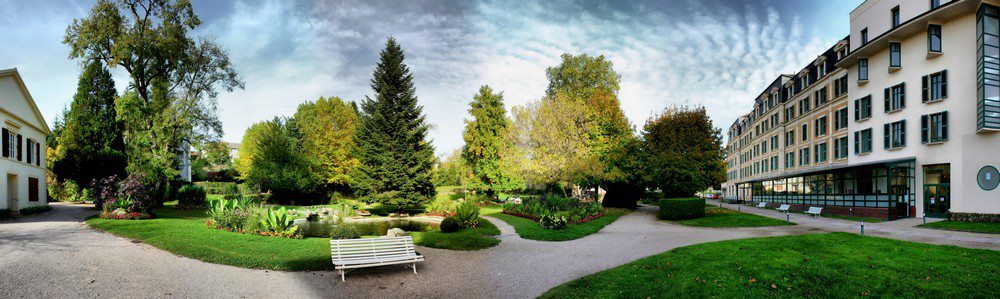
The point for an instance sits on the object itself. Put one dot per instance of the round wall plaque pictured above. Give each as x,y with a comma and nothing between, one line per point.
988,178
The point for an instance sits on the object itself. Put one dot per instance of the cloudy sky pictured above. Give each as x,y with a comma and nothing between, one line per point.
715,53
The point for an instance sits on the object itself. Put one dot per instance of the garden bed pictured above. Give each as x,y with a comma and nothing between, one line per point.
722,217
530,229
972,227
835,265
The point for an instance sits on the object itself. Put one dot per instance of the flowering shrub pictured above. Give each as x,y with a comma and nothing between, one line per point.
121,214
552,221
103,190
135,189
573,210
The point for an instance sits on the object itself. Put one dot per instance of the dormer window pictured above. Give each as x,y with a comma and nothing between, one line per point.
864,36
821,69
895,16
895,55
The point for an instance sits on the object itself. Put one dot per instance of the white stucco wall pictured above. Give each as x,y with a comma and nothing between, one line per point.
17,115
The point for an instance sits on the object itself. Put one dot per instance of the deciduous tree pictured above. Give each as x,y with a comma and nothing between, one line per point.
271,158
683,151
327,130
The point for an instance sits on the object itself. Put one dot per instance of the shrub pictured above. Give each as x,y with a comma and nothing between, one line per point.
442,207
449,225
216,188
552,221
681,208
344,231
973,217
104,189
467,215
191,196
277,221
5,214
135,189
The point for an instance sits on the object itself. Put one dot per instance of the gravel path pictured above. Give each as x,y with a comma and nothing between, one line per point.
55,255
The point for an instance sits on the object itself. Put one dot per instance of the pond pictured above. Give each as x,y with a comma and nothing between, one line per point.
366,228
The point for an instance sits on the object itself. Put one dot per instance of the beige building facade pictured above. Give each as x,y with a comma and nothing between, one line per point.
922,91
22,163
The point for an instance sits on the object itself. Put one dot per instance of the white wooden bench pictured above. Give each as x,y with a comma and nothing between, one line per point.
784,208
761,205
814,211
352,254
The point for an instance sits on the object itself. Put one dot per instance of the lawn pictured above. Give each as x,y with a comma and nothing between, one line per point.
975,227
835,265
529,229
834,216
183,232
721,217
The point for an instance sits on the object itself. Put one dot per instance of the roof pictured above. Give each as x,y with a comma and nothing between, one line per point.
42,125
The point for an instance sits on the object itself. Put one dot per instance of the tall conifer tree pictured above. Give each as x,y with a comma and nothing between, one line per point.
488,144
394,156
90,146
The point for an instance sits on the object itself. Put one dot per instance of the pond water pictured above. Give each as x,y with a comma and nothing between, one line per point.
367,228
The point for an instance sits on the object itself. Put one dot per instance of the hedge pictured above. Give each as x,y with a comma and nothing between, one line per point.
681,208
973,217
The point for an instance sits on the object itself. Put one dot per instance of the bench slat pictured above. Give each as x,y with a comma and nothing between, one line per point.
372,252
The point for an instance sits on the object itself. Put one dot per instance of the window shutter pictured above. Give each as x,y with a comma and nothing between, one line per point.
902,133
857,110
902,95
924,93
886,140
6,141
924,129
20,155
857,142
944,126
944,84
887,99
38,153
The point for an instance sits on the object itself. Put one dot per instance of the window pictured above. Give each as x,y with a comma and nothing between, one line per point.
774,163
19,152
821,125
774,142
804,82
840,86
895,16
895,97
790,160
863,141
821,97
821,153
864,36
863,108
840,148
790,138
988,67
934,128
935,86
935,3
804,156
863,69
31,152
820,70
804,106
805,132
934,38
840,119
789,113
763,147
895,135
895,55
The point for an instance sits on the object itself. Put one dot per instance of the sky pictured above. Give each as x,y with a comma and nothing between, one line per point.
719,54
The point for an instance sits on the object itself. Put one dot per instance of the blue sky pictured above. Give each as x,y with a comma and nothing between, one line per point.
715,53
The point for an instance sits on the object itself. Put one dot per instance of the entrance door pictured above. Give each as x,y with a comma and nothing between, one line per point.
937,190
12,202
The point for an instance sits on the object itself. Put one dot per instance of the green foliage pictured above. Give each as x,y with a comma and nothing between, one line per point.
681,208
975,227
391,145
34,209
683,152
344,231
76,195
467,215
218,187
449,225
174,78
552,137
442,206
91,144
722,217
488,149
552,221
270,157
453,171
277,221
191,196
327,135
118,204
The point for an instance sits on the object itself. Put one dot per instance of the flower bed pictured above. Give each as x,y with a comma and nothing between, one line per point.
559,209
537,218
126,215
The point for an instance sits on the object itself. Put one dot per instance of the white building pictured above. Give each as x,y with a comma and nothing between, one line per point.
22,162
922,119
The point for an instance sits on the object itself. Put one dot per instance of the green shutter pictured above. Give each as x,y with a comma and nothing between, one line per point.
924,129
944,126
886,140
902,95
857,109
925,95
887,99
857,142
944,84
902,133
6,141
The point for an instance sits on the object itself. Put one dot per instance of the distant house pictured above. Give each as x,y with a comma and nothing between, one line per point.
22,163
234,150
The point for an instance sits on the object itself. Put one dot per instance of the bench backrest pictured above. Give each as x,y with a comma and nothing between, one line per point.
784,207
371,248
762,204
815,210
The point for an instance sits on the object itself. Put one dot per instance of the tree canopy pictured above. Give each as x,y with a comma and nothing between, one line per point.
327,130
391,147
683,151
271,159
488,147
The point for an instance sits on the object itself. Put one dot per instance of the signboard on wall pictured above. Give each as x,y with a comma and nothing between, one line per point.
988,178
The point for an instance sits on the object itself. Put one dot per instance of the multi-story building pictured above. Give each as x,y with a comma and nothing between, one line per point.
871,148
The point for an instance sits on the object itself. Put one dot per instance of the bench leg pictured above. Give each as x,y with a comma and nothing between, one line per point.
414,268
342,276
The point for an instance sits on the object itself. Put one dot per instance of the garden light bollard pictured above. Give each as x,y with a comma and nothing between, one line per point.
862,227
925,218
852,212
788,217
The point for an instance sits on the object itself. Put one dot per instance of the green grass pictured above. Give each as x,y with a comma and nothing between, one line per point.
834,216
183,232
529,229
975,227
465,239
837,265
721,217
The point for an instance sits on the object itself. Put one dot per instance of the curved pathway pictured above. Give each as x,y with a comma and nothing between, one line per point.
55,254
